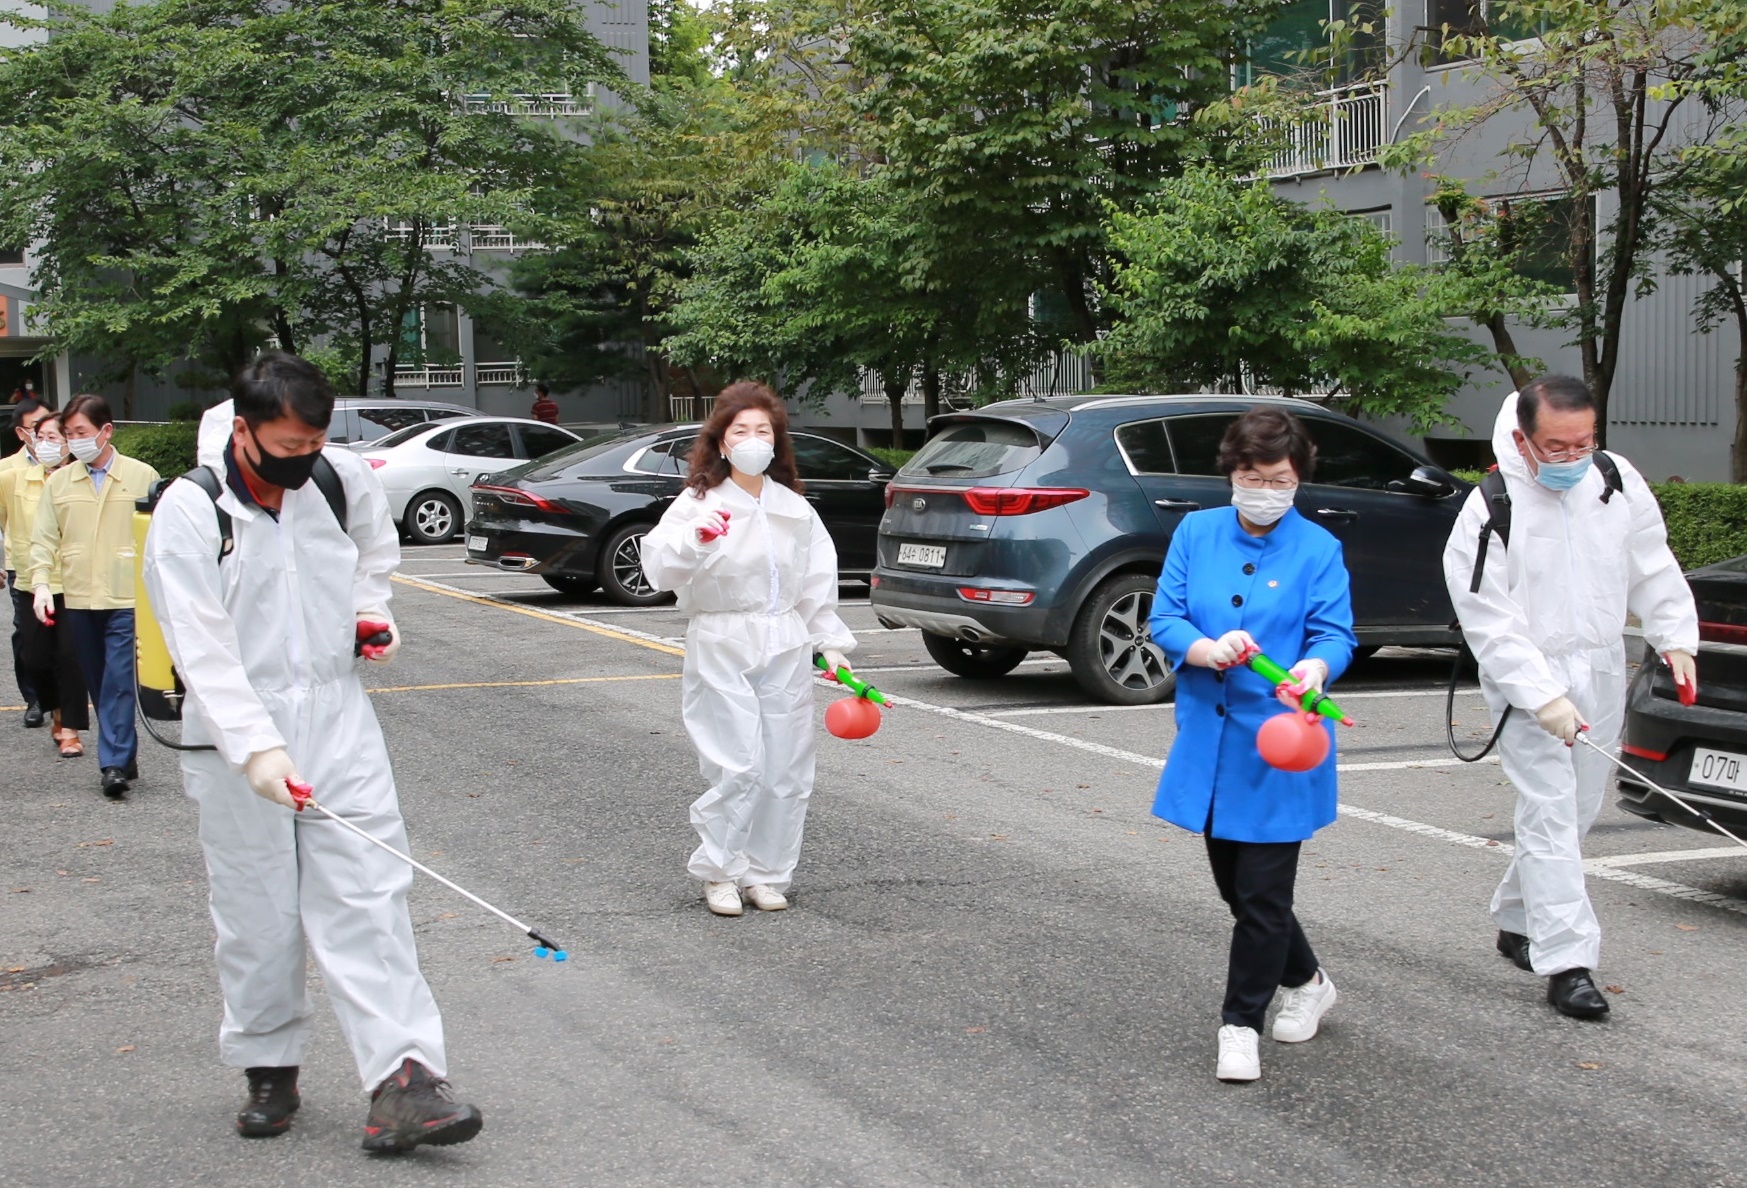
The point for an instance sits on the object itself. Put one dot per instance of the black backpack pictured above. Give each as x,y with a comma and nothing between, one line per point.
1498,506
325,477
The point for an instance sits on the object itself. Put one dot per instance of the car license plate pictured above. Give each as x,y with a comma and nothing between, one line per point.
925,556
1719,769
476,544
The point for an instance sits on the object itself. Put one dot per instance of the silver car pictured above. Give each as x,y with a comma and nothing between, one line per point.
427,468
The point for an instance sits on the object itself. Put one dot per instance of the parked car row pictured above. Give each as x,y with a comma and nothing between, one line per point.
429,467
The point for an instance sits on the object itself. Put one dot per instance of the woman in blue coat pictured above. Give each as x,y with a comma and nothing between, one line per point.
1255,574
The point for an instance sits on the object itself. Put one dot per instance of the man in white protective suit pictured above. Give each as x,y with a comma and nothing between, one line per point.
265,575
1544,614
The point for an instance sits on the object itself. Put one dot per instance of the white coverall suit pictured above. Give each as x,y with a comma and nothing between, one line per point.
264,643
1547,622
761,600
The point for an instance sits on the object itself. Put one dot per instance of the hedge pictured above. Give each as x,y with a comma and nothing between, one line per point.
167,448
893,458
1707,522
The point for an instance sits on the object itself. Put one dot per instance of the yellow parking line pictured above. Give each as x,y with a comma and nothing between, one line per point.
669,649
654,676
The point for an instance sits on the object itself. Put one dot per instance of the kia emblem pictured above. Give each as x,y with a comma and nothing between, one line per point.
918,504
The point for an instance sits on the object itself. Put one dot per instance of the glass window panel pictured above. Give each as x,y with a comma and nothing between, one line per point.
817,458
1195,441
1347,456
483,441
378,422
1146,447
541,441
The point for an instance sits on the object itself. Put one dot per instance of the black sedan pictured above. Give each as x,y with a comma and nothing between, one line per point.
1698,752
576,517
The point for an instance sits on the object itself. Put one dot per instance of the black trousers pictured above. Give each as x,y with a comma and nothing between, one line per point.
1268,948
47,656
21,612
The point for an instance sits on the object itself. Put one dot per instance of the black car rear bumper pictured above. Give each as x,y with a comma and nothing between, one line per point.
932,604
1660,738
532,548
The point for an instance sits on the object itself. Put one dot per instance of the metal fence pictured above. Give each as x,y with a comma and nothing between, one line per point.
1344,128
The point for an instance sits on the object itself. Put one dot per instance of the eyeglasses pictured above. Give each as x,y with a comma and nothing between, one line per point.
1573,455
1256,482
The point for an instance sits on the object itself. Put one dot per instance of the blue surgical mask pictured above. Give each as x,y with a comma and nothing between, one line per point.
1561,476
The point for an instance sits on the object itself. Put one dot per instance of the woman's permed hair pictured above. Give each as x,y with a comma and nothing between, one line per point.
1267,434
710,469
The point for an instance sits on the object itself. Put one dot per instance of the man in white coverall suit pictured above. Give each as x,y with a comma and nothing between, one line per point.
263,638
1586,546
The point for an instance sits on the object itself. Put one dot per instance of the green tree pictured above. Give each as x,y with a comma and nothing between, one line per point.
1586,77
1221,284
204,174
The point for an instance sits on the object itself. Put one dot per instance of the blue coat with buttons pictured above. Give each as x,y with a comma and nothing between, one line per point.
1289,590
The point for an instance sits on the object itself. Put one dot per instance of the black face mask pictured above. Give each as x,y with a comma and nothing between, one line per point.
290,472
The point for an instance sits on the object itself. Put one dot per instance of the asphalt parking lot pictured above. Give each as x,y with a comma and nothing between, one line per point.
1000,968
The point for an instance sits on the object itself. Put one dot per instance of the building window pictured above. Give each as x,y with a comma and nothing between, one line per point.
1476,18
1377,218
1535,228
1288,46
11,256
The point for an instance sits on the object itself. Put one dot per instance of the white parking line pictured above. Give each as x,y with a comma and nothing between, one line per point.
1035,711
1662,856
1041,661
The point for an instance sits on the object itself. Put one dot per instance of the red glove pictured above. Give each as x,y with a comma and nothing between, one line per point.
301,793
707,534
376,640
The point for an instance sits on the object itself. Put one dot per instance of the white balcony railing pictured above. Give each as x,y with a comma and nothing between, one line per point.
1060,375
1343,130
497,373
438,236
687,408
490,237
427,375
547,105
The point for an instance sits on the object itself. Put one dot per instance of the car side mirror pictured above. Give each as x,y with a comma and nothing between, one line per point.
880,475
1432,482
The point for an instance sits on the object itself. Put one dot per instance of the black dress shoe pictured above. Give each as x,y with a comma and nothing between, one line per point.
1573,992
272,1100
115,784
1515,946
33,716
132,770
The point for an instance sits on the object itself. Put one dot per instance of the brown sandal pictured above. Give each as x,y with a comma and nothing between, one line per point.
71,747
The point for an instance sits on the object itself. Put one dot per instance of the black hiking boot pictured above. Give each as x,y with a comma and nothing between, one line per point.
272,1100
412,1108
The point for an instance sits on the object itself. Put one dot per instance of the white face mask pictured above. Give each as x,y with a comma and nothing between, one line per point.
752,456
50,453
1261,506
84,448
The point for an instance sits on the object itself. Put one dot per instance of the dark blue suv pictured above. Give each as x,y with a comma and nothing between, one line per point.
1041,525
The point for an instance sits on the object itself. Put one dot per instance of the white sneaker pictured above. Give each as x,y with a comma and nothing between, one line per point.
1302,1009
723,899
1238,1058
765,899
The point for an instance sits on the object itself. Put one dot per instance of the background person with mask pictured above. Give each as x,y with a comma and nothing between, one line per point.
756,575
84,523
264,640
47,660
1546,626
26,416
1255,574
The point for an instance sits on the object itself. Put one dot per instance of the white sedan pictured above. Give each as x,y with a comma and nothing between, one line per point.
427,468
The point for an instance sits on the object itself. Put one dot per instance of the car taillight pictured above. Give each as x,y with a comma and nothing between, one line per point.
1722,633
890,493
377,463
1020,501
997,597
516,497
1644,753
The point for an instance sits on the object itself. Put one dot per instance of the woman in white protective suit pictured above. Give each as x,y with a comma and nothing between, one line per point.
1545,616
756,573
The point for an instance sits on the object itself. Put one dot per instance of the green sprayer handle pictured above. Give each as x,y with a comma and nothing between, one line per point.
851,682
1313,703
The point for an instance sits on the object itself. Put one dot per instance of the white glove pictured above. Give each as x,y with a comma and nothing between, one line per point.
372,622
1307,676
1228,650
268,771
1684,669
1561,719
44,605
834,660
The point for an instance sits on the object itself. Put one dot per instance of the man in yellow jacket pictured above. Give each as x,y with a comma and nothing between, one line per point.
85,518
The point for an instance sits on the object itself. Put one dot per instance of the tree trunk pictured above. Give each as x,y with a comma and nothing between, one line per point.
1505,345
1738,453
930,392
127,392
895,389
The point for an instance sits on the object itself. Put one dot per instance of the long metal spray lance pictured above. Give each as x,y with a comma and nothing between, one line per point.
1655,787
304,795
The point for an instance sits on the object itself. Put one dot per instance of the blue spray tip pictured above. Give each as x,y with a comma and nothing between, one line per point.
561,955
542,951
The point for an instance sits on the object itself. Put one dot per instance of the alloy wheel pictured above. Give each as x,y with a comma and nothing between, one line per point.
1126,647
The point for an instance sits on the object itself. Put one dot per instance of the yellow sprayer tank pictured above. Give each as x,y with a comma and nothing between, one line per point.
160,689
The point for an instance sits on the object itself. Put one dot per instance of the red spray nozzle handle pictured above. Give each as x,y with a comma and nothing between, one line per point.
1687,691
301,793
372,638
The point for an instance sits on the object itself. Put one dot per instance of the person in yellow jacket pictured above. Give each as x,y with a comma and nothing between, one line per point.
85,519
45,654
25,417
